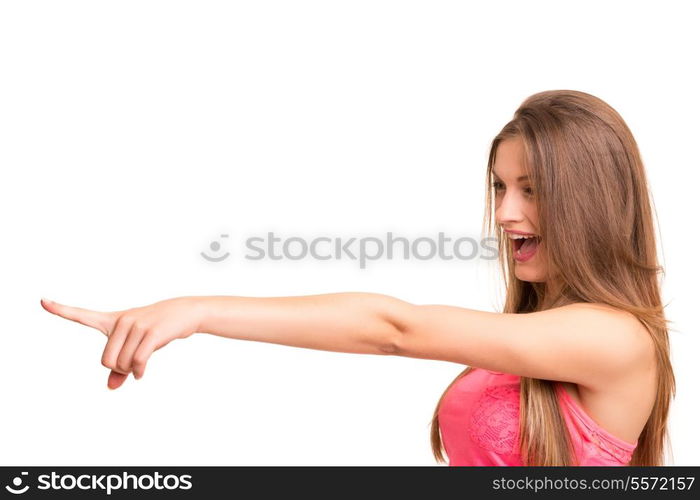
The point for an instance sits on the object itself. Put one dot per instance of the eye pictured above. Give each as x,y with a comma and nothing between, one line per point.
528,191
497,185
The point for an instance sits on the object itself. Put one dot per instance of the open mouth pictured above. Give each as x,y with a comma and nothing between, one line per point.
524,248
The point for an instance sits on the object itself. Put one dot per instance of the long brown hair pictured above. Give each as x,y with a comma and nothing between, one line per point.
597,235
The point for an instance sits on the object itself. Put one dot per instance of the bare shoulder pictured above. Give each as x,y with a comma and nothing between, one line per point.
624,402
629,336
632,330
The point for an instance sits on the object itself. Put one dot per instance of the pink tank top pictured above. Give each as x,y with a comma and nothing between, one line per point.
479,423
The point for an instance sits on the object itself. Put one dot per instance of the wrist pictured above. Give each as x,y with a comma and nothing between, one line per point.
200,307
195,309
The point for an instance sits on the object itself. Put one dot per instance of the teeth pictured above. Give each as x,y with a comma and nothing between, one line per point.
519,236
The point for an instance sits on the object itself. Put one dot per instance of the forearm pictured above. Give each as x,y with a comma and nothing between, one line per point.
353,322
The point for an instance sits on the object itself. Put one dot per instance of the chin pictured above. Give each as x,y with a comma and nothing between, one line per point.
532,275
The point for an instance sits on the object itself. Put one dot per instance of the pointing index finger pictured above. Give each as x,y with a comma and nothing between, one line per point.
94,319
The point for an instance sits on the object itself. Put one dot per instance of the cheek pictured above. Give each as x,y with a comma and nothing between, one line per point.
531,213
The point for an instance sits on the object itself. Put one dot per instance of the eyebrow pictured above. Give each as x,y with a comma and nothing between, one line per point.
521,178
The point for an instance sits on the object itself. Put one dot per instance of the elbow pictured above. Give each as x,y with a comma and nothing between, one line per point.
394,318
393,338
390,342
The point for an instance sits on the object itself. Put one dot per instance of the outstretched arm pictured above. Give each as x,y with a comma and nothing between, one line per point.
588,344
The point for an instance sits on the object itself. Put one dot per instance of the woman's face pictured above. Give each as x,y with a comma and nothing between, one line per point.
516,210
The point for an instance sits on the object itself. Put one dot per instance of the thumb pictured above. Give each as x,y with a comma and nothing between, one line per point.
101,321
116,379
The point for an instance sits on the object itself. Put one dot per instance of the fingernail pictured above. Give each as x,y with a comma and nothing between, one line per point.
47,301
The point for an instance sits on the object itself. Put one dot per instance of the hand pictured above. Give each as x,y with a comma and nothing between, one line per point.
133,334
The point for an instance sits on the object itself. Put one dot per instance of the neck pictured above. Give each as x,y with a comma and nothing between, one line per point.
551,294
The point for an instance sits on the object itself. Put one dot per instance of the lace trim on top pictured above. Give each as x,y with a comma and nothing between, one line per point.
620,449
494,422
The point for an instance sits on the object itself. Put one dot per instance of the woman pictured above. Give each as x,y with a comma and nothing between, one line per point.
575,370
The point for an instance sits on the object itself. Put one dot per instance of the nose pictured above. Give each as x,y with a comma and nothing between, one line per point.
509,209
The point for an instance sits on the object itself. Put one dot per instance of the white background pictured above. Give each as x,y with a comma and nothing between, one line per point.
134,133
